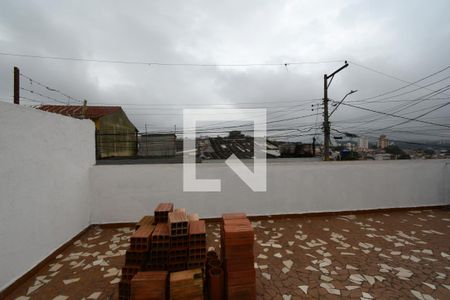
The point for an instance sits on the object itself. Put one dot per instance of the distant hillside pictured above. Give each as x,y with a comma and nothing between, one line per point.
441,145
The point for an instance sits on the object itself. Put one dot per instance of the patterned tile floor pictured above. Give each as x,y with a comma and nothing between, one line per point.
393,255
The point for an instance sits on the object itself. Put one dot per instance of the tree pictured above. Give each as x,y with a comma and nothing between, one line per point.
349,155
395,150
428,151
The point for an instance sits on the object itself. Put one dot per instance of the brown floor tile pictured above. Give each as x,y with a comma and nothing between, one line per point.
301,251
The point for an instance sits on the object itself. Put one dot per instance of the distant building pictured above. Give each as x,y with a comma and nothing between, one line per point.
383,142
383,156
115,136
222,148
157,145
287,149
296,149
363,144
236,143
235,134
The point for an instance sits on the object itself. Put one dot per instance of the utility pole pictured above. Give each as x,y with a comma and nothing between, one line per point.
84,109
16,85
326,122
314,147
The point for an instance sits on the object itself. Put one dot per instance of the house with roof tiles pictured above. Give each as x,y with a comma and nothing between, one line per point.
116,135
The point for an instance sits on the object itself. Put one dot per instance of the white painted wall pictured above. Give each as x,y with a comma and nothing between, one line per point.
44,190
125,193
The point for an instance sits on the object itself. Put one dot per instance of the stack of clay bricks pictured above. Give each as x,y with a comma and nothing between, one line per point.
214,276
146,220
140,242
162,212
168,242
197,244
136,255
179,240
237,238
159,252
186,285
149,285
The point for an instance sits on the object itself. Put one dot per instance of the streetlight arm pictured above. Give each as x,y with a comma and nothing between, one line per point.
349,93
338,70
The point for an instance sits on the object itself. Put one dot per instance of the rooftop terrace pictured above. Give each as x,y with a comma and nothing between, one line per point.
391,254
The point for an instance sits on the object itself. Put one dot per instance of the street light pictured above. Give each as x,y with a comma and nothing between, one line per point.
336,105
326,123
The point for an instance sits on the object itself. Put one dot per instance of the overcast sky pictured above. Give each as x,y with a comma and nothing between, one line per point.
387,44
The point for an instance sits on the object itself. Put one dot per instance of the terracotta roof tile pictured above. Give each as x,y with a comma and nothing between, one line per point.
76,111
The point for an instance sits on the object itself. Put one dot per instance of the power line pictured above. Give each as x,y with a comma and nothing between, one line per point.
381,73
393,115
390,100
423,98
413,143
412,91
416,118
49,88
29,99
42,95
271,122
393,77
405,86
428,132
419,100
416,101
248,124
282,133
365,121
292,135
158,63
172,105
270,111
282,111
279,111
422,144
227,128
281,130
268,130
316,122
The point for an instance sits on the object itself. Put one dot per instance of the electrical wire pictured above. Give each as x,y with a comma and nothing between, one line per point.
393,115
405,86
29,99
158,63
365,121
388,75
42,95
402,107
417,117
412,142
49,88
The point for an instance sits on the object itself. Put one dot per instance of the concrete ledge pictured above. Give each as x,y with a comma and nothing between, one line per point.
126,192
